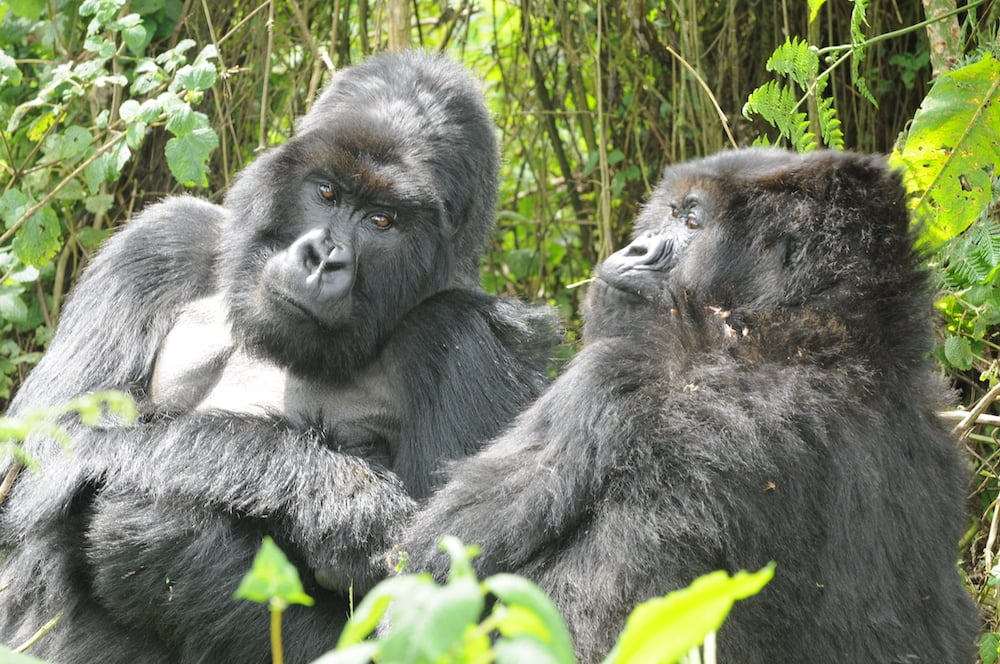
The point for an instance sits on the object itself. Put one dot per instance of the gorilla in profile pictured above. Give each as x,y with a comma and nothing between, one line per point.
755,386
304,357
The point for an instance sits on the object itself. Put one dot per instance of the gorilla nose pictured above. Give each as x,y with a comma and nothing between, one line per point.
328,265
653,251
319,255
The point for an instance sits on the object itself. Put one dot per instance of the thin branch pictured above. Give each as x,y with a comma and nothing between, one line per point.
963,428
708,91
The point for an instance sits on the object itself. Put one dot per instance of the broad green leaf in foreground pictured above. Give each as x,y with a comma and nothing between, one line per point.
952,150
663,629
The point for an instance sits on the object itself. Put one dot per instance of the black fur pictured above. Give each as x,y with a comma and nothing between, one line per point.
141,534
755,386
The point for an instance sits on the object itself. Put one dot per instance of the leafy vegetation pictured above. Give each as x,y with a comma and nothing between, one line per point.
434,624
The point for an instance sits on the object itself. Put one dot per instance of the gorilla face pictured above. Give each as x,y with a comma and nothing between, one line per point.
759,237
380,200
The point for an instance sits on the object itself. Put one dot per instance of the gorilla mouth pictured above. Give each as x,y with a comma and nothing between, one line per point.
606,285
298,311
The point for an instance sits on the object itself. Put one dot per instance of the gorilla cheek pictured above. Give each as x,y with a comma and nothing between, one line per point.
314,278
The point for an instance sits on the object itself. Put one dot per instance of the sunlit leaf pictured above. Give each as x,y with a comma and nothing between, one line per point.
272,580
664,629
952,150
187,156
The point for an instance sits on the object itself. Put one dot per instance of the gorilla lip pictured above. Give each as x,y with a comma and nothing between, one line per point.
288,303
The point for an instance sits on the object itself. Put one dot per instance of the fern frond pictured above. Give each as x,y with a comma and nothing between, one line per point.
858,18
776,104
829,123
797,59
975,259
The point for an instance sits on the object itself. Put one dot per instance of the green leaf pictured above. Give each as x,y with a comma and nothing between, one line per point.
102,46
435,620
665,628
129,110
958,352
96,173
39,239
523,263
28,9
135,38
12,307
989,648
135,134
210,52
952,150
73,142
829,123
13,203
814,7
147,7
859,17
432,621
187,156
194,77
524,649
776,104
98,204
71,191
182,120
370,610
530,613
360,653
24,274
92,238
272,580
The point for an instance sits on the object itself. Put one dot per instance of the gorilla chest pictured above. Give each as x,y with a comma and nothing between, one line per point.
200,368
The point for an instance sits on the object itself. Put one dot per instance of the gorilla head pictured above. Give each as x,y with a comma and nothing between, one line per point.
336,234
765,241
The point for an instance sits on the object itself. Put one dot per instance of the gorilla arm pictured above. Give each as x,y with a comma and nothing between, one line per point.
410,409
527,488
462,365
125,303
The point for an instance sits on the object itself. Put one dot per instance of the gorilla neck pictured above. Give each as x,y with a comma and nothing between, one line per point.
826,336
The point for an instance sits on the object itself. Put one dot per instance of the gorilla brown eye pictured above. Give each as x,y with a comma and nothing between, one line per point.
381,220
692,222
328,193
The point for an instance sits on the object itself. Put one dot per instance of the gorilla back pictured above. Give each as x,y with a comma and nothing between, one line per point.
755,387
341,274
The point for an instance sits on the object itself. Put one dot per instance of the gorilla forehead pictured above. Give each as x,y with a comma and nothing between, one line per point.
421,103
368,160
830,195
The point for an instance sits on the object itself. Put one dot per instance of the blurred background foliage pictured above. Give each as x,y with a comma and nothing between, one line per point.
108,105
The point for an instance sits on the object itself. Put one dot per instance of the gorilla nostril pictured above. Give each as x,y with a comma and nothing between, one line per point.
649,252
340,257
636,249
